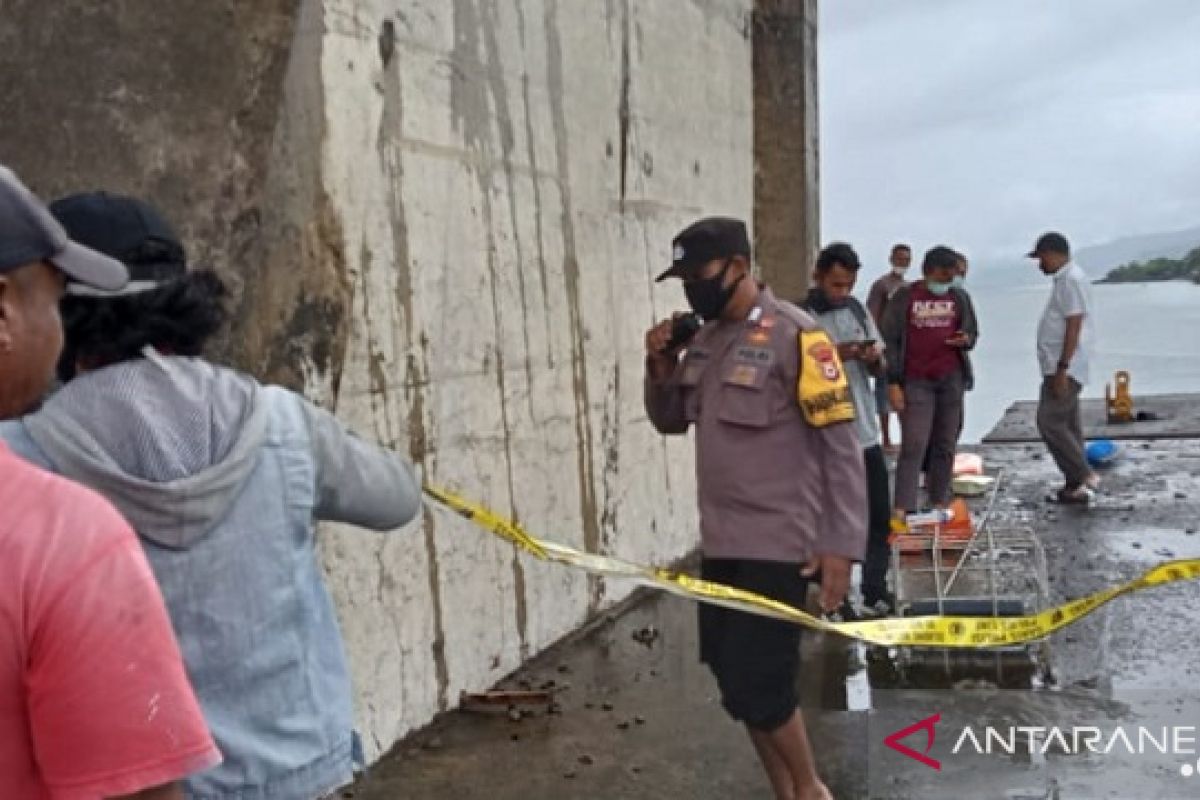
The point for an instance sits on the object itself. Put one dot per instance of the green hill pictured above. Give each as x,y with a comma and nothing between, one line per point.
1157,269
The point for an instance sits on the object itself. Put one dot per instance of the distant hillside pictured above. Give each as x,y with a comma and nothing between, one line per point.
1097,260
1158,269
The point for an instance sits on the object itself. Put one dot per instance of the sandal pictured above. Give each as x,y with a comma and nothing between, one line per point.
1081,495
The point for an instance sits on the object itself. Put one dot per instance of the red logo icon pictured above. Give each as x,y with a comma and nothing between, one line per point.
826,358
927,725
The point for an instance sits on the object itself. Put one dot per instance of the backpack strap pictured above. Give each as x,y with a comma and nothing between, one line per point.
859,312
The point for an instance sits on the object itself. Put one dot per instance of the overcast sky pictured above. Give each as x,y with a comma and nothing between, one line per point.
979,123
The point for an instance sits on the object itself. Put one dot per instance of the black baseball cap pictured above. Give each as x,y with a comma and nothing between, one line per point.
705,240
127,229
29,233
1050,242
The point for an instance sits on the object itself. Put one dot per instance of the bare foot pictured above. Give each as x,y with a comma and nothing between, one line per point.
814,792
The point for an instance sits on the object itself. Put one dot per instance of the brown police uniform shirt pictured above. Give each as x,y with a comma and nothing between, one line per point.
771,486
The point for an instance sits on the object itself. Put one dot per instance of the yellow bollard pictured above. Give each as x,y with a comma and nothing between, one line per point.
1120,402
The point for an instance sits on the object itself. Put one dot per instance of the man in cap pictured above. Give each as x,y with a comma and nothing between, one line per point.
94,700
779,471
224,480
1065,338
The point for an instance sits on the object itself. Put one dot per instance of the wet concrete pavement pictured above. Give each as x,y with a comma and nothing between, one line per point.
636,716
1165,416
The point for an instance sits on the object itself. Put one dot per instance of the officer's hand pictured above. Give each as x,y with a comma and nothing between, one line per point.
660,364
873,354
896,398
657,338
835,579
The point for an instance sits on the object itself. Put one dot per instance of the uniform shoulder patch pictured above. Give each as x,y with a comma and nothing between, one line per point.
797,316
822,389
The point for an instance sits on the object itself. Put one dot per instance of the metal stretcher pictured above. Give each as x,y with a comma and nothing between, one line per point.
996,571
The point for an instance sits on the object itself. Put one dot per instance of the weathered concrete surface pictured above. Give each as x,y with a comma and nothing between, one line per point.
181,106
787,226
442,220
1178,417
1132,662
594,745
507,178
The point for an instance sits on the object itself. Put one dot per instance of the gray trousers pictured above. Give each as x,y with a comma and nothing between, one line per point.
932,419
1059,423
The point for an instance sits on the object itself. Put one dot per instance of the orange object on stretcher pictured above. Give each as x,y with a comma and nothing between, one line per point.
921,534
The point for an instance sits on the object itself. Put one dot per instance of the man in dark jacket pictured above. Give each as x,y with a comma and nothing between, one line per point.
929,328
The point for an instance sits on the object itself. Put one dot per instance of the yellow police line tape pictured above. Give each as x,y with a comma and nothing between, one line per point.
930,631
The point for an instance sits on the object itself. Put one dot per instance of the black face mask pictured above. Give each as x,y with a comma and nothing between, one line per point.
708,298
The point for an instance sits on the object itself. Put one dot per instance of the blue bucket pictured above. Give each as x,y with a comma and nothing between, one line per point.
1102,452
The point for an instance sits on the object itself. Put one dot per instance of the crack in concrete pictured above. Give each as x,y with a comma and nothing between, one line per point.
470,115
416,364
583,431
623,112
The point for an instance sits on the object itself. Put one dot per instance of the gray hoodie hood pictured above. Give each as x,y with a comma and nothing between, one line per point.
170,441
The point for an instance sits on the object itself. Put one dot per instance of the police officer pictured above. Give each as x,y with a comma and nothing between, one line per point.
779,473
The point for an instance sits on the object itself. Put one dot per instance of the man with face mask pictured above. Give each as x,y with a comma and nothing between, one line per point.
928,330
833,305
779,477
94,700
880,294
961,267
960,280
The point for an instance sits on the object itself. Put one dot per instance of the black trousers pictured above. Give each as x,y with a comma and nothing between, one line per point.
879,553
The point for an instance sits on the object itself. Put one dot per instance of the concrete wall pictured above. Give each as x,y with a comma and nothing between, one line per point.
508,178
443,219
787,158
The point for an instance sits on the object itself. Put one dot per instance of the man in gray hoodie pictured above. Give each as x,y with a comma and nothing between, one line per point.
223,479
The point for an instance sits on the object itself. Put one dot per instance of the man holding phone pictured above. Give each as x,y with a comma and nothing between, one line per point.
847,322
929,329
779,478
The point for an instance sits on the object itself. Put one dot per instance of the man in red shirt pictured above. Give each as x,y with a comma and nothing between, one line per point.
928,329
94,701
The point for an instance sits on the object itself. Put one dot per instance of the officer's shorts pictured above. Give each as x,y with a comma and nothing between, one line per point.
754,659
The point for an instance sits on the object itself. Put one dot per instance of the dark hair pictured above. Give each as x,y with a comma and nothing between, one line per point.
940,257
901,246
178,318
837,254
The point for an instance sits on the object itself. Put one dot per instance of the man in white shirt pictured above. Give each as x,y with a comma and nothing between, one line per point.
1065,338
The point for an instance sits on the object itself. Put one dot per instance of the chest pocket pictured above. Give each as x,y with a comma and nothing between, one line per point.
745,395
695,364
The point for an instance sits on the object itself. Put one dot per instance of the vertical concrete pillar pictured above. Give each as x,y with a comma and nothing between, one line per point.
786,179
